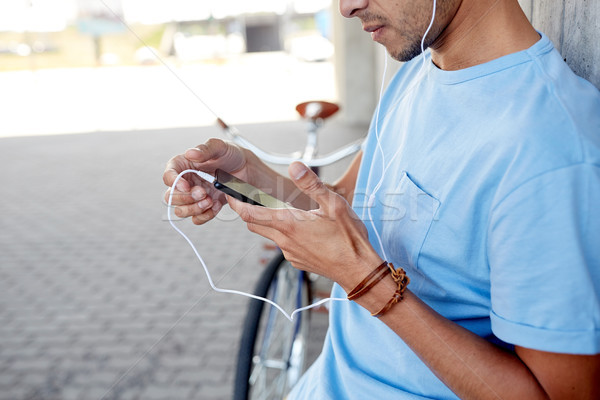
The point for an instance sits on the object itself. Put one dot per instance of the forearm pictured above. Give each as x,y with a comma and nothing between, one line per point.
470,366
334,243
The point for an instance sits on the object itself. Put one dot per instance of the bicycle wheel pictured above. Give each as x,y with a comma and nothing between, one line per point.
272,351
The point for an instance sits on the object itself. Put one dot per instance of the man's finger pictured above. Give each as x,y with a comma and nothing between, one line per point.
265,216
208,214
250,214
169,177
179,198
193,209
216,153
213,148
309,183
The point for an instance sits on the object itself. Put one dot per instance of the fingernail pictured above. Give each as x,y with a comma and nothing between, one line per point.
298,170
198,195
204,203
192,152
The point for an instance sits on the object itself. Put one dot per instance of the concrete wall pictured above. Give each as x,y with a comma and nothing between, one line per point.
356,70
574,27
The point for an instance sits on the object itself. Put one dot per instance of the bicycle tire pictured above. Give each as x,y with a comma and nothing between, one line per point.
272,349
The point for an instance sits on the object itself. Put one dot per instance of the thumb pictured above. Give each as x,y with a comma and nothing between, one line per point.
309,183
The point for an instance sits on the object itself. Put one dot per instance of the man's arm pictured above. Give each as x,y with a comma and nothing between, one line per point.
566,376
472,367
333,242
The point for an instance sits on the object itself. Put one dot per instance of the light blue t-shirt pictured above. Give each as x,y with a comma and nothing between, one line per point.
491,203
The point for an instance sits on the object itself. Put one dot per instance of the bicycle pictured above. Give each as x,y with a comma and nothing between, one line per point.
272,350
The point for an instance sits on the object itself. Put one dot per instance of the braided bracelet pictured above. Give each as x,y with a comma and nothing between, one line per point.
374,277
402,280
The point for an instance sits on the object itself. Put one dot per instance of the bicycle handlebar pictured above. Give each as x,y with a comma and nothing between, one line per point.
285,159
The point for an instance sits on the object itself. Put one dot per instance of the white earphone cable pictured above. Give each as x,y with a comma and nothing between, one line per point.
385,166
210,179
371,202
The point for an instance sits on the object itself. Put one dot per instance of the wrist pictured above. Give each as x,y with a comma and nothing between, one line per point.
382,288
356,271
376,298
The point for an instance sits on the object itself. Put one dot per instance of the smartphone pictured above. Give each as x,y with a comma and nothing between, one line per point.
243,191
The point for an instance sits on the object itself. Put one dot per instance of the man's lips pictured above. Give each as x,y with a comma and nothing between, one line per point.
372,28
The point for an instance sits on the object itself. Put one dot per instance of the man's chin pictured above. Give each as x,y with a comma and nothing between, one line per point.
404,55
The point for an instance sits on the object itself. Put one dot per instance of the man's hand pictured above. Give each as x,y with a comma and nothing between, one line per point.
330,241
193,196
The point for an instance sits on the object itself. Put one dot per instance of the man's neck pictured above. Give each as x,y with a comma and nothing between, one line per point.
481,31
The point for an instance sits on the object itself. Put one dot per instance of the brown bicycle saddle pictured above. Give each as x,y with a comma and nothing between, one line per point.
316,110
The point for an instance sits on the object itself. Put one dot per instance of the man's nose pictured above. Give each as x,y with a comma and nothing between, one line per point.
349,8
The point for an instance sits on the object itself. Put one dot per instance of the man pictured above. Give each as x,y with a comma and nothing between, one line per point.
481,179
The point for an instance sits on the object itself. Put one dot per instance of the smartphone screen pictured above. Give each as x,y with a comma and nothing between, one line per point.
245,192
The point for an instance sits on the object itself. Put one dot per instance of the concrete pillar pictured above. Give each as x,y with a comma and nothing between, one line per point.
574,27
527,6
580,43
548,16
356,70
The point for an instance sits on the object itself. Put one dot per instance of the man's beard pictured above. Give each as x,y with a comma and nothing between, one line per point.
411,40
413,49
407,54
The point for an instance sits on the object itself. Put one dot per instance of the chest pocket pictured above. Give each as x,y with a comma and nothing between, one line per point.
408,213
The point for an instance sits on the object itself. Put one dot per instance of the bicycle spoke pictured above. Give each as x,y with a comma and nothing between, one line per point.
279,356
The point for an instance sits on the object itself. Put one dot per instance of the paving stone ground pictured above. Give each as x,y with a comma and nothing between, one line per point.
99,297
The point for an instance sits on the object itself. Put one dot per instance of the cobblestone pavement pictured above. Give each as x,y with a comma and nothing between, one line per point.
99,296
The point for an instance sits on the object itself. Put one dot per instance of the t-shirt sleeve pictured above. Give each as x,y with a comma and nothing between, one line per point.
544,257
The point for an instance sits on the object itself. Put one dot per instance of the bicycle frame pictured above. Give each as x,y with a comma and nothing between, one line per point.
308,156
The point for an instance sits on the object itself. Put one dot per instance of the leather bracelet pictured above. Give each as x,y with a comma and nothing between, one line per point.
374,277
402,280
